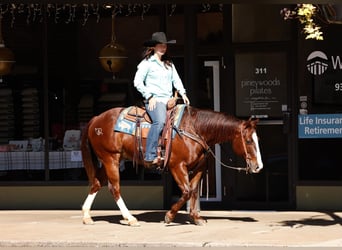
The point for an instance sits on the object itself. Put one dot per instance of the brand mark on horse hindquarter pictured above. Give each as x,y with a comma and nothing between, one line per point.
98,131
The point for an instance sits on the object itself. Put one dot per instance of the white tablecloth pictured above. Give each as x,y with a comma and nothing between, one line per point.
35,160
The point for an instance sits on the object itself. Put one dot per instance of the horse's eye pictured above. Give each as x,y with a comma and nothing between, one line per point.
249,141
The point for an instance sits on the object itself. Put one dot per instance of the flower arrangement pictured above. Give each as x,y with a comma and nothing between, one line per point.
305,13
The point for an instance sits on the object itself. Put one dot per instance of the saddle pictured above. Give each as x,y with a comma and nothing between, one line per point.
139,115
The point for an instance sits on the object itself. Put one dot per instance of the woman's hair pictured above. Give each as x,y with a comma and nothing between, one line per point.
149,51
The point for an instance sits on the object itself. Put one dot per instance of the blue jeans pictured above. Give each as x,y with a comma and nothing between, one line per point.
158,116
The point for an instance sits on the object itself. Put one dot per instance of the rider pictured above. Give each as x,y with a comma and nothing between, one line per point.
155,79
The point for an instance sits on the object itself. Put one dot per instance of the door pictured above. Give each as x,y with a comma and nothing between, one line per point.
209,98
209,95
208,91
261,91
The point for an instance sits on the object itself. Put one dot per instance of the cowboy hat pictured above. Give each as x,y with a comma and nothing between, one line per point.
157,38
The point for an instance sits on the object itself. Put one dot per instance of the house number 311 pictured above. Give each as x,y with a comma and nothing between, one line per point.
259,71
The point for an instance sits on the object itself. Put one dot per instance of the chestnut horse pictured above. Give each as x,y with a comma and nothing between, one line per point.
103,149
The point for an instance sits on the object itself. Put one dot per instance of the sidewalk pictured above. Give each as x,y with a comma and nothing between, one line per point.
61,228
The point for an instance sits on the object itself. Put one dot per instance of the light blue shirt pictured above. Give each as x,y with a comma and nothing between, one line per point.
154,79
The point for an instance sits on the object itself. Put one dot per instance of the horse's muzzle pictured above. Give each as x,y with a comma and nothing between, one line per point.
254,168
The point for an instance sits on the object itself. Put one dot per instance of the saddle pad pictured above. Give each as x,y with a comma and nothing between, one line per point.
129,127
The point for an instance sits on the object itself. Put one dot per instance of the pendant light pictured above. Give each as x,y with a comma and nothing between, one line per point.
6,56
113,56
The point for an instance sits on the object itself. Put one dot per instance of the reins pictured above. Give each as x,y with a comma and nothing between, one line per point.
225,165
202,142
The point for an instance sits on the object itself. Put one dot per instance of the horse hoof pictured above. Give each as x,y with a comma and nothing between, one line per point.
88,221
201,222
167,219
132,223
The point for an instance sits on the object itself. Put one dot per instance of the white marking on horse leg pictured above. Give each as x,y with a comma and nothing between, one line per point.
256,142
124,211
132,221
87,205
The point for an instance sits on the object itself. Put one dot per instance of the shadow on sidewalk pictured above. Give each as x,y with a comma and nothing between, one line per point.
158,216
314,221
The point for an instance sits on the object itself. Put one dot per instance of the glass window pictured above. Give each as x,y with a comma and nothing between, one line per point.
255,20
76,85
320,94
319,160
209,28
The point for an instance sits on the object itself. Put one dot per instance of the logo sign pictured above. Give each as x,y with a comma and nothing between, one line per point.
320,126
318,63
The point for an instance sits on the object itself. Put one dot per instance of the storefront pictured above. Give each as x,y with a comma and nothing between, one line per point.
241,59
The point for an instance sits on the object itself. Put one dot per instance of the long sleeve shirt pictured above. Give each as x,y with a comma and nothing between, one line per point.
154,79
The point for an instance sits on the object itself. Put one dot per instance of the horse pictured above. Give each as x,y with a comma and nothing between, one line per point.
103,148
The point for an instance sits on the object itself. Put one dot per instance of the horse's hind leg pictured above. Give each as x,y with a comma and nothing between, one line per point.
128,217
87,220
114,188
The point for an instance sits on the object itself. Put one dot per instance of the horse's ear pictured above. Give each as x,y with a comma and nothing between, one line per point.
251,118
251,122
255,122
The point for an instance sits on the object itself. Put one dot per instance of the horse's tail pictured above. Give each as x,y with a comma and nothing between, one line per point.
90,161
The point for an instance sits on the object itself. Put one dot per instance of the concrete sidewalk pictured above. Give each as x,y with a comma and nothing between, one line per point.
60,228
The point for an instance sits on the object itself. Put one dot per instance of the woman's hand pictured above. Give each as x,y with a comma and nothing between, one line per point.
186,100
152,103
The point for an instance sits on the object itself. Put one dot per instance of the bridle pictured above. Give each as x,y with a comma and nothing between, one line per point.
247,155
203,143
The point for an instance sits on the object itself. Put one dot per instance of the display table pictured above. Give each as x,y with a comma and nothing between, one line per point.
35,160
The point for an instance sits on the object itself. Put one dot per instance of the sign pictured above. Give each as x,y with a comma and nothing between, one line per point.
325,68
76,155
320,126
261,84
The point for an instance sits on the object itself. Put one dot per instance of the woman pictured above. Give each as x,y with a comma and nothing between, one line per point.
155,79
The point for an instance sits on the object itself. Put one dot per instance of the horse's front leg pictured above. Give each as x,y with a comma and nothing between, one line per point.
194,196
180,175
194,204
171,214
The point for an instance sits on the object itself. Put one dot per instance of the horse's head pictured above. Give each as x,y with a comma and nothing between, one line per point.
246,144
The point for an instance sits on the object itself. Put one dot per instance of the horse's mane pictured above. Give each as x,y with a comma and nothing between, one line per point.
214,126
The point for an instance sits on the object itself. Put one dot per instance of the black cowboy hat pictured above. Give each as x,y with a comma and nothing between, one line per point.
157,38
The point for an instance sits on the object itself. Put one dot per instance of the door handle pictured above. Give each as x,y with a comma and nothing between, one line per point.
286,122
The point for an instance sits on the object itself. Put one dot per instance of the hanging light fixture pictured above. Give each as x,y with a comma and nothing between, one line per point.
112,57
6,56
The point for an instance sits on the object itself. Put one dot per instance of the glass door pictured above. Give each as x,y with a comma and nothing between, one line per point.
261,91
271,185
